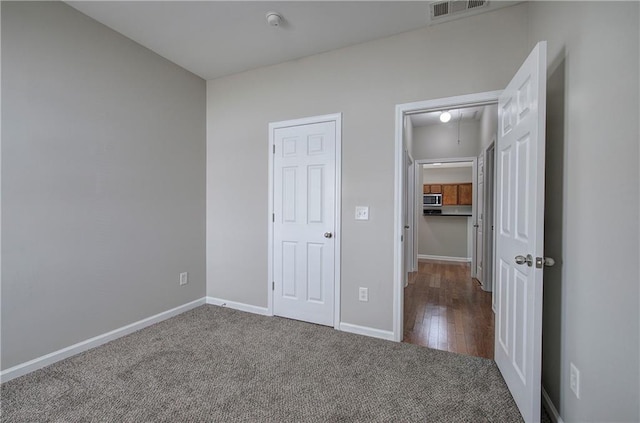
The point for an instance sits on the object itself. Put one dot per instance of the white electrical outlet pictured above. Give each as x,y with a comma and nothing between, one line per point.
363,294
574,380
184,278
362,213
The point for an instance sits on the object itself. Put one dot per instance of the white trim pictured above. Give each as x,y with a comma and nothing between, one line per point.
0,189
337,118
366,331
270,209
398,228
264,311
338,223
551,409
468,100
445,258
48,359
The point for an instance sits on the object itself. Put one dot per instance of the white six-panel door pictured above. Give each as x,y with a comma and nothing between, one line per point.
519,226
304,191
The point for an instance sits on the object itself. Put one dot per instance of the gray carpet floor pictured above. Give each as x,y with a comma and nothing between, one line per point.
218,364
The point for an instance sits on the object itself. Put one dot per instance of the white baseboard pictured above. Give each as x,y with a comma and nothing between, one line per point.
551,409
367,331
46,360
239,306
445,258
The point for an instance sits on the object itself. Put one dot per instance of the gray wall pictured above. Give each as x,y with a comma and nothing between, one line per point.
488,126
443,236
364,82
591,297
447,175
440,141
103,180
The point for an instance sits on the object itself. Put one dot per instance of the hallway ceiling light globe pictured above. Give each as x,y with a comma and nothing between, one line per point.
445,117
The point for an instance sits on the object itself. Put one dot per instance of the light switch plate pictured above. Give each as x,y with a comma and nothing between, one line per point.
362,213
363,294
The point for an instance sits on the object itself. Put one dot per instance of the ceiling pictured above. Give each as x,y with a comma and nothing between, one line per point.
433,118
218,38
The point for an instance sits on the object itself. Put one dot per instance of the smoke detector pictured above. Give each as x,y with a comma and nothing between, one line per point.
274,19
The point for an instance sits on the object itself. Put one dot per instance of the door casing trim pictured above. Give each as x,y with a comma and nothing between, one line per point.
337,118
468,100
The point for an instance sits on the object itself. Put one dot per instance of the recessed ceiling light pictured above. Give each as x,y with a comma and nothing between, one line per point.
445,117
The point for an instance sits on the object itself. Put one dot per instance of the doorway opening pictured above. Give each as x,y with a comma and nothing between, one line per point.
519,223
447,298
404,146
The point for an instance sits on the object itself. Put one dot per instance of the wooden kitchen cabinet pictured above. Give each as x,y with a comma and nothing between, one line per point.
436,189
426,189
449,194
465,194
455,194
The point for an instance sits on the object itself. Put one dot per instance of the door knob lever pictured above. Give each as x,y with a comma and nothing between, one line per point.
528,260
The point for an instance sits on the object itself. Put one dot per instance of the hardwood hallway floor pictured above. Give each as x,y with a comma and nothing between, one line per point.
445,309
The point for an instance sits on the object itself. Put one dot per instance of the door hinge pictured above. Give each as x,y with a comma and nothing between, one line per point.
273,217
274,149
401,238
273,286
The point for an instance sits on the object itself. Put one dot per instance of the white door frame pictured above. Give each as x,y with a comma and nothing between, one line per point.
402,110
337,118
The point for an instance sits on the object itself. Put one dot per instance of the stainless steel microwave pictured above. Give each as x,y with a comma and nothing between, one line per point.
432,200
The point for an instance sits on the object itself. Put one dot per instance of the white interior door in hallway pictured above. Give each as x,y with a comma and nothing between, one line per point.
304,221
479,225
519,238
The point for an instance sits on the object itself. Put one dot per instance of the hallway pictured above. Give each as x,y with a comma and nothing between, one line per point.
445,309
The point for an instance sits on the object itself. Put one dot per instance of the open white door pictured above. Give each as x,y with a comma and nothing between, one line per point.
519,238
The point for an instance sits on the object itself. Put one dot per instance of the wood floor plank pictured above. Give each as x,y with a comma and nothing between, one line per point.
447,309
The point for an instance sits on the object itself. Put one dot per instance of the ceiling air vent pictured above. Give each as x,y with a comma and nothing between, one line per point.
447,10
439,9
